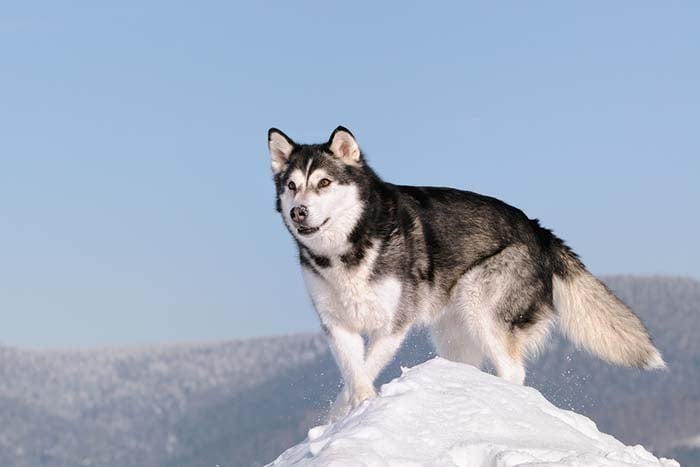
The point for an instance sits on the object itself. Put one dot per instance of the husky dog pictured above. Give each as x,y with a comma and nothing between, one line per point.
378,258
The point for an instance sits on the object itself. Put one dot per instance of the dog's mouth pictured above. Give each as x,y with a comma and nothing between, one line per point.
306,230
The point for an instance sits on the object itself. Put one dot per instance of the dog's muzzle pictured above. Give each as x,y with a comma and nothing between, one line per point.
307,230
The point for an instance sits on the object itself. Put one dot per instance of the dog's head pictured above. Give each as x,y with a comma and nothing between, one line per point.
318,194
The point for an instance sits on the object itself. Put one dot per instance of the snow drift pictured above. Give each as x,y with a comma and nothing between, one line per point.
442,413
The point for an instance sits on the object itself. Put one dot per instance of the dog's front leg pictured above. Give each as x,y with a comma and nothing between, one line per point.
348,348
381,349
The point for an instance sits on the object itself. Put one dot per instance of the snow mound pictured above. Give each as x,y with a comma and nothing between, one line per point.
442,413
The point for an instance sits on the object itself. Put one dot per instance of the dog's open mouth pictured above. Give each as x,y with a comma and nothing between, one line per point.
306,230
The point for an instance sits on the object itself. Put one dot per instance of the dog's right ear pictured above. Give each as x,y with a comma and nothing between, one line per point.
281,147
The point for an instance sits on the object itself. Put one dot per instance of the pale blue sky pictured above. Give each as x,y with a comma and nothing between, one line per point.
136,203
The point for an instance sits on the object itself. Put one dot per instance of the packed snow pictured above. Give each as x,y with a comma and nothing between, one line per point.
442,413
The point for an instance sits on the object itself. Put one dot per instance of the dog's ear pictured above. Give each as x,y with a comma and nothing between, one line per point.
343,145
281,147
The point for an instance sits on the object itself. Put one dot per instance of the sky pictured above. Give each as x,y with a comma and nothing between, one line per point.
136,201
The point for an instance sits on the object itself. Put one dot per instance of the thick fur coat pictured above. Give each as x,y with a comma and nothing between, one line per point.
378,258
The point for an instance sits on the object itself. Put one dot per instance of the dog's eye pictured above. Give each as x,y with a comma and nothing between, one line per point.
324,183
292,186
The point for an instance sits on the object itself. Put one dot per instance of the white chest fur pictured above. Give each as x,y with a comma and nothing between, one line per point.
348,297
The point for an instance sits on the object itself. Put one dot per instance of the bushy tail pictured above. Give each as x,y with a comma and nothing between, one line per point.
594,318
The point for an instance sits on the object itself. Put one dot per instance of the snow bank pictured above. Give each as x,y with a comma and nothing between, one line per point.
443,413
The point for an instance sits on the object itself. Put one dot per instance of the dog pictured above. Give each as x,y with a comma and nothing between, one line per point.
379,258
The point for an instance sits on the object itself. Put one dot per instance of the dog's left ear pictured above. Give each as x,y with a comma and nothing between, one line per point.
281,147
344,146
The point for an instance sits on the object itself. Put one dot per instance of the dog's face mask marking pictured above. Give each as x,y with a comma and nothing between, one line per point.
316,192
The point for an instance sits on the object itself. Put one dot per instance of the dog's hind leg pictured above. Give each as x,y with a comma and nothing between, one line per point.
507,356
506,303
453,340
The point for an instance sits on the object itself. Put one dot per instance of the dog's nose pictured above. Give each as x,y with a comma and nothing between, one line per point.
298,213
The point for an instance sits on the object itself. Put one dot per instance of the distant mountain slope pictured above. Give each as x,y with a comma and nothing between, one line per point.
241,403
121,407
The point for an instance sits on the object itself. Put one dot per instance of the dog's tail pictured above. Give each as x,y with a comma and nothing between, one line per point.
592,316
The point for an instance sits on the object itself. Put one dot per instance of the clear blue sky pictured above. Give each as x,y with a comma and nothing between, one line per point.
136,203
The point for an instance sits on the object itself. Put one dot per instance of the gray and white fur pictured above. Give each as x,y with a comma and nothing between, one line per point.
379,258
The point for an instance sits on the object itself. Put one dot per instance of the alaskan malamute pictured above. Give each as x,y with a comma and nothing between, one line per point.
378,258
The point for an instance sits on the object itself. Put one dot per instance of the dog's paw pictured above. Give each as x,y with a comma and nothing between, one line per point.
345,402
361,394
